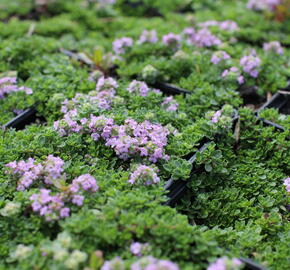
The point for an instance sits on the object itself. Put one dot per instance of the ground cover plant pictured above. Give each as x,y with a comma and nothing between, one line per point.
86,182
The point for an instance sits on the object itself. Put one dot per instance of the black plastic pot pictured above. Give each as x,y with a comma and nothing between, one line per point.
177,188
281,102
169,89
251,265
20,121
250,95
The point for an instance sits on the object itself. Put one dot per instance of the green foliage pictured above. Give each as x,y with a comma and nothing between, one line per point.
237,206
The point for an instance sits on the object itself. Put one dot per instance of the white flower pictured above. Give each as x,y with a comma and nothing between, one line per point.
10,209
21,252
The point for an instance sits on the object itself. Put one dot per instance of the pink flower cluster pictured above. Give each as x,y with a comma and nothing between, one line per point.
287,184
50,173
273,46
144,175
227,25
169,104
148,37
128,140
219,56
138,87
120,46
258,5
29,171
171,40
250,65
225,263
8,85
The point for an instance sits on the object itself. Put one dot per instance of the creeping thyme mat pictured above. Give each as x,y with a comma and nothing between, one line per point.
133,96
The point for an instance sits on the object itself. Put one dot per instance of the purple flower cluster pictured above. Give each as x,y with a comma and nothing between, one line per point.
8,85
171,40
106,90
29,171
148,37
54,207
138,249
128,140
144,139
250,65
219,56
138,87
144,263
287,184
169,104
151,263
144,175
273,46
204,38
106,84
50,172
234,72
227,25
101,98
258,5
114,264
121,45
225,263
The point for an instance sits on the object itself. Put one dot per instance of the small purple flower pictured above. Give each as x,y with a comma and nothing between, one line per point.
287,184
120,46
138,87
188,32
225,263
170,104
216,116
78,200
258,5
151,263
228,25
219,56
144,175
8,85
241,79
114,264
204,38
64,212
148,37
136,248
87,182
171,40
250,64
106,84
273,46
234,73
